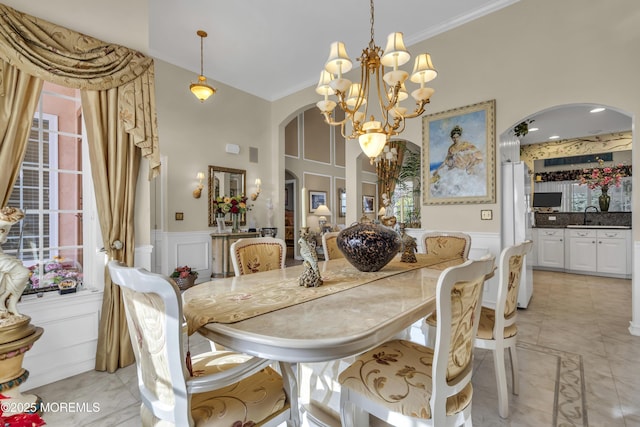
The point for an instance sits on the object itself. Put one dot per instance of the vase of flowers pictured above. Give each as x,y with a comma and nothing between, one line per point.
235,222
603,177
604,199
235,205
184,277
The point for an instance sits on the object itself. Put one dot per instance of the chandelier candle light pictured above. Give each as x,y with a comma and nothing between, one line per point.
374,133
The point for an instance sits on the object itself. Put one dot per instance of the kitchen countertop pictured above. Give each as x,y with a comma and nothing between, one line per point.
592,226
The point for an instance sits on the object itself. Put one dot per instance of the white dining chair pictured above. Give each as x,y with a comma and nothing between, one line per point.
497,330
407,384
220,388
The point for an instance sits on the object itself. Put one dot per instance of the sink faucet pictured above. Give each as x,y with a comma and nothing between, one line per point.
584,221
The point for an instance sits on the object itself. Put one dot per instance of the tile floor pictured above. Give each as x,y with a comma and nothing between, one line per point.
575,351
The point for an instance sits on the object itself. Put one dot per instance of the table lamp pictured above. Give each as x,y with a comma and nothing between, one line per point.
322,211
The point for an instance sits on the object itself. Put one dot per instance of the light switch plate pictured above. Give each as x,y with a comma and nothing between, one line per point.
486,214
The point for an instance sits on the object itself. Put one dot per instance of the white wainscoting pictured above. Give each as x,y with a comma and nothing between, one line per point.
68,345
178,249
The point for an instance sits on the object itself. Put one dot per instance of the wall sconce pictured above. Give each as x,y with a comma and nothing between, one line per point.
198,191
255,195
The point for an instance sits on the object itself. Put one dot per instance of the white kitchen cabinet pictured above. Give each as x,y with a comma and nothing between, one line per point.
614,252
604,252
551,248
582,250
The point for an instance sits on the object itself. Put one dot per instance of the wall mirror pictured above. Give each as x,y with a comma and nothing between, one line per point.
225,182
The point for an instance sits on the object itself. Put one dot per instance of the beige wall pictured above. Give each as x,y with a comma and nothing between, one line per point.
193,135
319,161
528,57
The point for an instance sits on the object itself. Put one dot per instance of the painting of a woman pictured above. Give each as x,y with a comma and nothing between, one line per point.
459,148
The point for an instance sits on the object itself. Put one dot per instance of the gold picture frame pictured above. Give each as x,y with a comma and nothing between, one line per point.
459,151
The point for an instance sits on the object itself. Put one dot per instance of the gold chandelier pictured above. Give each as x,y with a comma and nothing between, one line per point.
373,133
202,90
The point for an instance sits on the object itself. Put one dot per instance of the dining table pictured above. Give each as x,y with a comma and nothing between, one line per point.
269,315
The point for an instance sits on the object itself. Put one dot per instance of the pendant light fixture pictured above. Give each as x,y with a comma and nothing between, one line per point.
373,130
202,90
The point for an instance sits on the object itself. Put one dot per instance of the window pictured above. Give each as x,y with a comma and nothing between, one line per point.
576,197
406,196
53,189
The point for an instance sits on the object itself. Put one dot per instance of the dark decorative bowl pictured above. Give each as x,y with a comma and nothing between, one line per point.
368,247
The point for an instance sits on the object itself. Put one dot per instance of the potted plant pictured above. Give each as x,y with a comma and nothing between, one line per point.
184,277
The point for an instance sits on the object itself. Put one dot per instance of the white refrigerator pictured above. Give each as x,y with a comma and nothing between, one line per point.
517,219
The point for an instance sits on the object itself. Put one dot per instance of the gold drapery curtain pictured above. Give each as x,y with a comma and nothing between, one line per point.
72,59
118,98
114,165
388,172
19,94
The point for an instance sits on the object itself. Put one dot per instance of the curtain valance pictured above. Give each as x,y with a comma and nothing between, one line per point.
75,60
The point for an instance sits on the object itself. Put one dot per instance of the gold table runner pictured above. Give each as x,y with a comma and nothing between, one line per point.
265,292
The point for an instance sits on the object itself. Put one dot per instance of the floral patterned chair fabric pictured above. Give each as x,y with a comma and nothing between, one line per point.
447,243
404,383
258,254
330,246
226,388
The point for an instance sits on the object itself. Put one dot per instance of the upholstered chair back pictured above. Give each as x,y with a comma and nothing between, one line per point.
447,243
154,318
511,261
515,261
330,246
257,254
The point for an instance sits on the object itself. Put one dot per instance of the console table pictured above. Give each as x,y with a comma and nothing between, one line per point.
220,246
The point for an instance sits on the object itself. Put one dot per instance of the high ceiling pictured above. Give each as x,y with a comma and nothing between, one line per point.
272,48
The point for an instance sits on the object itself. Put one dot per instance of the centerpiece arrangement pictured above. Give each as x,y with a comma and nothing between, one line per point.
603,177
234,205
184,277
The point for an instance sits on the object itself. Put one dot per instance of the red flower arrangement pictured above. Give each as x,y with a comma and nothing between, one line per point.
184,272
227,204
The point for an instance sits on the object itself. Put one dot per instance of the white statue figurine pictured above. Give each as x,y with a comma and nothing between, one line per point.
310,277
269,213
13,275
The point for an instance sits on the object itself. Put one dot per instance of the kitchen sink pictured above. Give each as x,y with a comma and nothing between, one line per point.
599,226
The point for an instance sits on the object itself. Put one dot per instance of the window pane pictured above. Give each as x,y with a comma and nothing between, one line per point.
49,189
